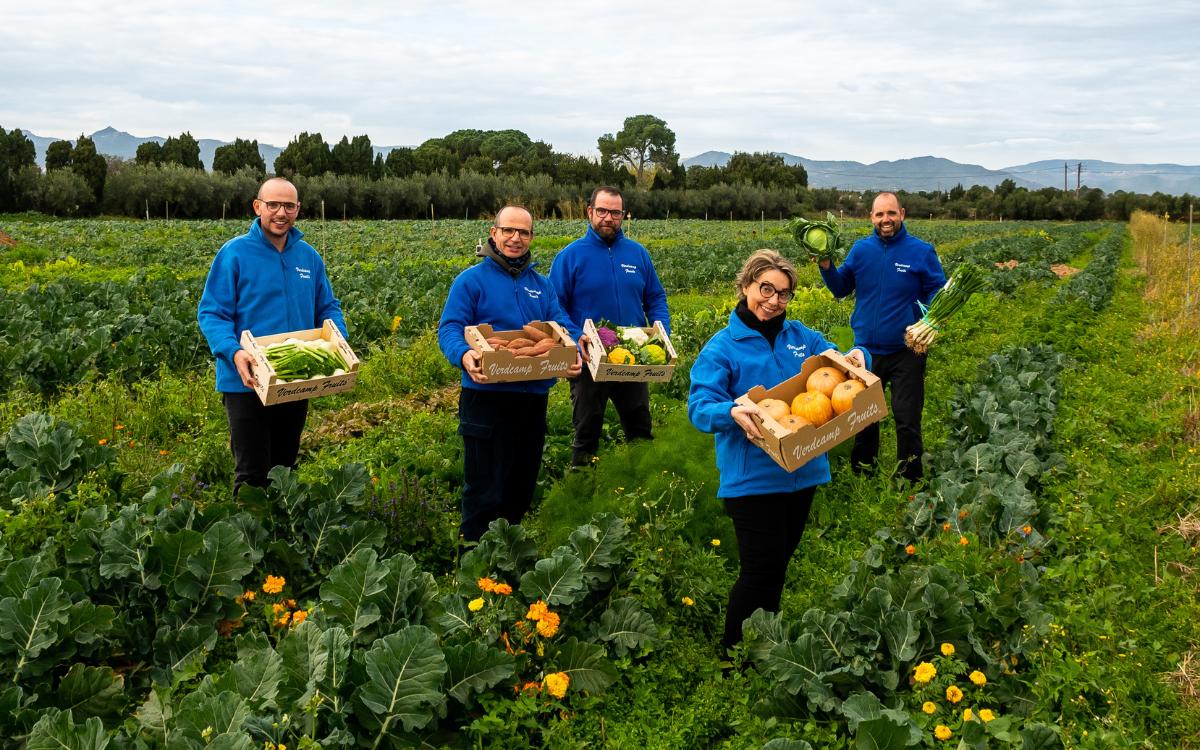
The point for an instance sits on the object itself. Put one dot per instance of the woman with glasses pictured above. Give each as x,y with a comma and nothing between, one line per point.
769,506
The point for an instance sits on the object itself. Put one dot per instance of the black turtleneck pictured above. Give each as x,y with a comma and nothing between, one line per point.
514,266
769,328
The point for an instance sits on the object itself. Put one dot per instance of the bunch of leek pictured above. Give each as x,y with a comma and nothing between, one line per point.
967,280
822,240
302,360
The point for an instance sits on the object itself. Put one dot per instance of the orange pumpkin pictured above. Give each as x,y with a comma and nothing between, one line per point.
777,409
813,406
825,380
794,422
843,395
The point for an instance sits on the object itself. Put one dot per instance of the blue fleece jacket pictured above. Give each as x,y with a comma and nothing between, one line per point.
890,276
618,283
733,361
252,286
487,293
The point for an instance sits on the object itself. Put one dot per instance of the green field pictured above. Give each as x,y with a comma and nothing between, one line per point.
1052,545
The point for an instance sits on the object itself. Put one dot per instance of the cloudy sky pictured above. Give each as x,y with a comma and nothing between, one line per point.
997,84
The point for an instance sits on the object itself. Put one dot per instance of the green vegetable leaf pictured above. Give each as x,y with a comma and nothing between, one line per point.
627,627
87,692
218,567
349,589
901,633
29,625
554,580
305,657
1039,737
584,664
474,665
786,744
57,730
405,670
794,662
345,485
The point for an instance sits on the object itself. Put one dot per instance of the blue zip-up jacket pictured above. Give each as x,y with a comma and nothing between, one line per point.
732,362
890,276
617,283
487,293
252,286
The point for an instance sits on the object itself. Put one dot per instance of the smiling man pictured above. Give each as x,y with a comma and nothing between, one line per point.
891,271
503,425
267,281
604,275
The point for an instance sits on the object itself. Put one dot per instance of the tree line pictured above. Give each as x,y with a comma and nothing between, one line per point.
471,173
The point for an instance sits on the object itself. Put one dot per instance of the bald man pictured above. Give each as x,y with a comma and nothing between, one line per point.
891,271
503,425
267,281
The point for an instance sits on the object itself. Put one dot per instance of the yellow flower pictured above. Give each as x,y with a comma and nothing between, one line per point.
688,601
249,595
299,617
502,588
962,541
475,605
910,549
557,684
947,649
942,732
486,584
716,542
924,672
967,714
986,715
548,625
274,584
537,610
979,678
929,707
953,694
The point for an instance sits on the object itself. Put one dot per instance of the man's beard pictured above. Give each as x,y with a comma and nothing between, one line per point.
606,232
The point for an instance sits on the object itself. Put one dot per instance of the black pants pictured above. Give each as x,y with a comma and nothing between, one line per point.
768,529
589,399
905,371
503,434
262,437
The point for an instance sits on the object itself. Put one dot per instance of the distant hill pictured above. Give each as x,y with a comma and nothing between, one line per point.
1172,179
928,172
113,142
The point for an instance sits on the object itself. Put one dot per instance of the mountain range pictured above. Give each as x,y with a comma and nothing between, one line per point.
113,142
931,173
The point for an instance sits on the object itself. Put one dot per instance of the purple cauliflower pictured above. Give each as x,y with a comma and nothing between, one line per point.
608,337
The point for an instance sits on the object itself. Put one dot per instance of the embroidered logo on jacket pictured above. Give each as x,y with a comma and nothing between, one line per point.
799,351
902,267
304,272
628,268
534,293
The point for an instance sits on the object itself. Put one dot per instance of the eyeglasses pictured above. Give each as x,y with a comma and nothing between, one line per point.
507,232
290,208
605,212
768,290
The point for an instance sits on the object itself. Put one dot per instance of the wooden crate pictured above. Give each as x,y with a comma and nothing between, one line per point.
502,366
268,387
604,371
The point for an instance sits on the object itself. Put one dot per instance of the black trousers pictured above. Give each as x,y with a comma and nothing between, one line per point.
768,529
589,399
503,435
262,437
905,372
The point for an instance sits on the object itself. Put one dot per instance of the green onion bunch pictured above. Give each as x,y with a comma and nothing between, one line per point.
967,280
302,360
822,240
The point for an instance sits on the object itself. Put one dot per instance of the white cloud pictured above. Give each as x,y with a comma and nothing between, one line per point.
997,84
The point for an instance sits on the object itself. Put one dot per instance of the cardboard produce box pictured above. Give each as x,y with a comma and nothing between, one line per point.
271,391
791,450
602,370
503,366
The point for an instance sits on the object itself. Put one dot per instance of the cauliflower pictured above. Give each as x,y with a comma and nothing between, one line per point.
608,337
653,355
635,335
621,356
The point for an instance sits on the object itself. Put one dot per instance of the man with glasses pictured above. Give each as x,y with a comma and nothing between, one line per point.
605,275
267,281
503,425
892,272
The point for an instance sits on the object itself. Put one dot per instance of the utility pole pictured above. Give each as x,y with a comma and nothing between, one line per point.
147,209
1078,177
322,228
1064,177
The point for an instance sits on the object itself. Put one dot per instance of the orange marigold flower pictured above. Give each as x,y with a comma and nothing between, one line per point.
548,625
299,617
537,610
963,541
162,453
1028,529
945,527
534,686
277,608
289,603
283,619
910,550
274,584
556,684
503,589
103,441
249,595
486,584
962,514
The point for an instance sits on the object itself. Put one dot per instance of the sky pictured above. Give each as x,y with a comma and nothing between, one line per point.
996,84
